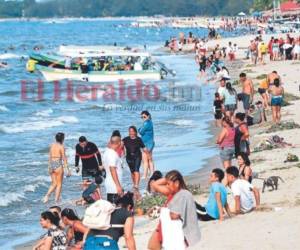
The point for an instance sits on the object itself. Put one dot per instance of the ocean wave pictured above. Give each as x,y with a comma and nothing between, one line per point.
9,93
3,108
22,213
181,122
8,198
12,197
107,106
37,125
9,56
44,113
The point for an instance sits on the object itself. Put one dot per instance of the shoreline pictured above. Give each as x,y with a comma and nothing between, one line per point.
277,207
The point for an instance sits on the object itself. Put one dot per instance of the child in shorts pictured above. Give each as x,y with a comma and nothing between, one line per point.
218,104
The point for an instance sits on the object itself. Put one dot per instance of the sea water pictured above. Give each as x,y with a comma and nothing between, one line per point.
27,128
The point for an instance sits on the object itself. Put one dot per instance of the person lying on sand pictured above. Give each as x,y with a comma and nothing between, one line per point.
242,191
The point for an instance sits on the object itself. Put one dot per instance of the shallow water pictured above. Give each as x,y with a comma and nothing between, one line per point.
28,127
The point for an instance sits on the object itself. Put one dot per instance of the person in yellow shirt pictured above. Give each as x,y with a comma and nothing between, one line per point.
263,91
262,50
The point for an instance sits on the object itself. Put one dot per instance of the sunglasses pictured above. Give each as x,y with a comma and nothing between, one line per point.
143,116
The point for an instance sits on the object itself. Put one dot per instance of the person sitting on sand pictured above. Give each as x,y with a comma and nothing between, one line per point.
77,231
217,199
242,191
182,207
57,163
55,238
245,171
277,93
256,115
91,191
122,216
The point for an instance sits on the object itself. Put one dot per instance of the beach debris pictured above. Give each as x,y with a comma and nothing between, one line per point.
291,158
262,76
271,143
286,125
150,203
194,189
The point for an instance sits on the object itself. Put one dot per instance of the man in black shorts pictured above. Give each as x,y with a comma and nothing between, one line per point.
90,157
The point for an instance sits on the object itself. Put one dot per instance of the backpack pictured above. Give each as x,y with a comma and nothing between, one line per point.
97,216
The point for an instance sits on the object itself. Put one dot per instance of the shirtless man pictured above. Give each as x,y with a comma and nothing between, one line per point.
248,91
277,93
272,76
57,163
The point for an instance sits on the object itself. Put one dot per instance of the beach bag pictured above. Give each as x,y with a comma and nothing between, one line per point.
171,229
100,243
97,216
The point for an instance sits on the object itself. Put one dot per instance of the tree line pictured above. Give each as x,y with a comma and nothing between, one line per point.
104,8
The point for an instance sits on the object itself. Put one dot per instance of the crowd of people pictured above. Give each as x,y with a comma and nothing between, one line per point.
113,214
279,48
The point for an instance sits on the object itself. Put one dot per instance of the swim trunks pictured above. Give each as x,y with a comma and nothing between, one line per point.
276,101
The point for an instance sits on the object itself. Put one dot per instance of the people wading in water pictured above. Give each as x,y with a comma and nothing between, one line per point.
57,163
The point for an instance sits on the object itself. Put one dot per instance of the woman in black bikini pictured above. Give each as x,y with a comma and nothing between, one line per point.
244,167
76,231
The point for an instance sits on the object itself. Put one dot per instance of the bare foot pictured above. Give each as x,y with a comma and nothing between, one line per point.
46,199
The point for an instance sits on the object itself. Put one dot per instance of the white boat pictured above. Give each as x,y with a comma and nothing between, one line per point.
54,74
76,50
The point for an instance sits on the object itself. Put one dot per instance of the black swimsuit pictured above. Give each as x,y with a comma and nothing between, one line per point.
243,175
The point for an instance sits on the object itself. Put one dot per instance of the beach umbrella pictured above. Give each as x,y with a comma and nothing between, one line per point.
241,14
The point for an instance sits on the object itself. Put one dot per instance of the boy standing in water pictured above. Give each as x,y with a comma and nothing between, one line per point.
218,110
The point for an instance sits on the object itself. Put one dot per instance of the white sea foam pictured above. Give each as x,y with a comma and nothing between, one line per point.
44,113
37,125
3,108
184,123
9,56
22,213
8,198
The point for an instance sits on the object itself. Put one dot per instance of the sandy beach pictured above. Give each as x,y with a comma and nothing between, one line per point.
276,224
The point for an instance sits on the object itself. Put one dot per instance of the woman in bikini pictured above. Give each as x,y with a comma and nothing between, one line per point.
244,167
76,232
57,163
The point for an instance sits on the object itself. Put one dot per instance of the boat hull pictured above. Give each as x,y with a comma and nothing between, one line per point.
52,74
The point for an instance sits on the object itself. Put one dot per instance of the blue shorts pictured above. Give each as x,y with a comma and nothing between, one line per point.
276,101
246,101
149,146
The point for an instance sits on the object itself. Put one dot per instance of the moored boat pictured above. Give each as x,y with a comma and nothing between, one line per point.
54,74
